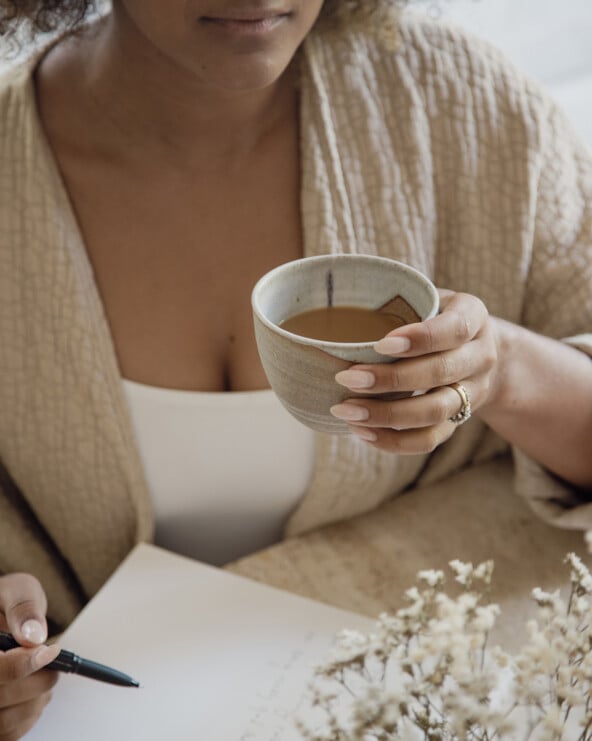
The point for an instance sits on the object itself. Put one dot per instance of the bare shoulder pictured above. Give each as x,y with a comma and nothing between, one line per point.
62,95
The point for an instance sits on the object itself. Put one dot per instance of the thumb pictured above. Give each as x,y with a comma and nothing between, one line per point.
23,604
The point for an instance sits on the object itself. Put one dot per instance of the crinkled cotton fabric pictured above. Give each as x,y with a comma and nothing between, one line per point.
439,154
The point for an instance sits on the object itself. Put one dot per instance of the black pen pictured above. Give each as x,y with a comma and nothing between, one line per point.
66,661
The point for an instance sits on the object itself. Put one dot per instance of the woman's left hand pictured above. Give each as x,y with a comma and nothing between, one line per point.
457,346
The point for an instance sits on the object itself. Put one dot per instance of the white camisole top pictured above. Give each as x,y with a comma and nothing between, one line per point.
224,470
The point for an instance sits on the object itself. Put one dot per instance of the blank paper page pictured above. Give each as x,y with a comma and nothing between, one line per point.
219,657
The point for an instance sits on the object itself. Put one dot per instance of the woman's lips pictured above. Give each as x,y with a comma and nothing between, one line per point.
246,26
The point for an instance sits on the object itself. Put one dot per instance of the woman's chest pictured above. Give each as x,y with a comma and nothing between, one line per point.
175,262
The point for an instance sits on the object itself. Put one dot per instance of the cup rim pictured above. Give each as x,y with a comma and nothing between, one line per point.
328,344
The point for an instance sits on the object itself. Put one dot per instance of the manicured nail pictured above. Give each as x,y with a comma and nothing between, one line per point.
393,345
350,412
355,379
365,434
33,631
44,655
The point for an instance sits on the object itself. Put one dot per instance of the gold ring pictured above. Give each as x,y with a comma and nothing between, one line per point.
464,412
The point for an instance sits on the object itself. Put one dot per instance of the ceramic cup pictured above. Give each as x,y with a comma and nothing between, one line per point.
301,370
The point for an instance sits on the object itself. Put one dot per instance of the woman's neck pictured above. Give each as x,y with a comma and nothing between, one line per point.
151,106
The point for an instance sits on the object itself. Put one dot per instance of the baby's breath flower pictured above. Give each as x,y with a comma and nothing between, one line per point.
580,606
547,599
500,657
431,577
438,682
463,572
413,595
485,617
351,646
484,572
580,576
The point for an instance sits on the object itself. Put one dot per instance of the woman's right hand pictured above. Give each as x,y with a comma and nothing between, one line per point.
24,691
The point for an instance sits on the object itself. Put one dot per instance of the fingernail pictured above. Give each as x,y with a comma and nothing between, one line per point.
350,412
44,655
33,631
355,379
365,434
393,345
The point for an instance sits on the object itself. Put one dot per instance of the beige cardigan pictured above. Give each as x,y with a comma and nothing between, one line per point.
440,155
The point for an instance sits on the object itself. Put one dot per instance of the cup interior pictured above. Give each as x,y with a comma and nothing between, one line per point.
339,280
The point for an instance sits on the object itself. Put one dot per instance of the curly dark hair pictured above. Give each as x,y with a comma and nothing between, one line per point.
42,16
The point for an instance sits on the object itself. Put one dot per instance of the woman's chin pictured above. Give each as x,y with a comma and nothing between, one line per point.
243,75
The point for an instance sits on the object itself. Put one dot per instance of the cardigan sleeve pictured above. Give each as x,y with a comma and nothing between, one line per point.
558,300
26,548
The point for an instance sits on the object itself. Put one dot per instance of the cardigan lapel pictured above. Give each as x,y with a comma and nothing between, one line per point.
349,476
66,434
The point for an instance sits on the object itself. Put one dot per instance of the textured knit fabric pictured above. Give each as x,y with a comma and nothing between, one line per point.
440,155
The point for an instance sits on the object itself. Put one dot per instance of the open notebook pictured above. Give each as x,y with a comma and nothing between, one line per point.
220,657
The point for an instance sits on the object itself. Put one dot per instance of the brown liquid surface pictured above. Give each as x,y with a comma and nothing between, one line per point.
342,324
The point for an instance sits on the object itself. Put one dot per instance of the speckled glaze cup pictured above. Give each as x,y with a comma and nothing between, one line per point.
302,370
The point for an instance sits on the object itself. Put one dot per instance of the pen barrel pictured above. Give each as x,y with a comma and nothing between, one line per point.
65,661
94,670
69,662
7,642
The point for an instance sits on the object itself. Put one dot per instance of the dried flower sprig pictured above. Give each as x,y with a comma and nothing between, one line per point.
426,672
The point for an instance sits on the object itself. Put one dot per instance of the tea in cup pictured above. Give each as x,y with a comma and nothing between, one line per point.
316,316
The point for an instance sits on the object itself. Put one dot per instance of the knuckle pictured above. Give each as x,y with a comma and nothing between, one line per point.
440,409
16,665
25,605
50,679
27,579
480,305
394,374
432,441
441,370
428,441
482,392
428,338
463,329
21,596
389,443
489,356
20,582
11,669
423,415
392,417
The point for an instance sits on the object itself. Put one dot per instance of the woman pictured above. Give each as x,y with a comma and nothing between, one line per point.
155,164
